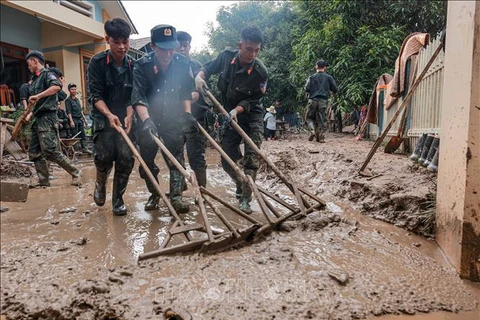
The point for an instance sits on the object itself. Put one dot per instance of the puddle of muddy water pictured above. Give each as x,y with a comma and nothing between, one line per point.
285,275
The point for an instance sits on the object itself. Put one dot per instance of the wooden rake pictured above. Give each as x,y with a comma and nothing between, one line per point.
304,206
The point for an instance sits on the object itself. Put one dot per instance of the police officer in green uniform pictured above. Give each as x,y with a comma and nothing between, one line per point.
242,82
195,140
110,77
76,117
44,139
162,91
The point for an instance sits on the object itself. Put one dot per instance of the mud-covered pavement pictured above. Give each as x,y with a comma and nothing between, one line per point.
64,258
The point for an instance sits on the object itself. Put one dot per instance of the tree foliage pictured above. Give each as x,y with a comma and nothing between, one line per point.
359,39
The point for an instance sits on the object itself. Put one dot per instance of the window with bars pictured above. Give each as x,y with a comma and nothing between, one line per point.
82,7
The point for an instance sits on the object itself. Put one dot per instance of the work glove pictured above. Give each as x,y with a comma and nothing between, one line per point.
200,84
232,115
149,128
190,124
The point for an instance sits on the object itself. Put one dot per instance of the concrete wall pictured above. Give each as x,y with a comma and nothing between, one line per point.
20,29
458,192
55,13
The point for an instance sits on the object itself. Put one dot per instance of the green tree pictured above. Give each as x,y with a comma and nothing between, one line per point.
359,39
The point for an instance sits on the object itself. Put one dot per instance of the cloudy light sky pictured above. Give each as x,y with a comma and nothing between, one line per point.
189,16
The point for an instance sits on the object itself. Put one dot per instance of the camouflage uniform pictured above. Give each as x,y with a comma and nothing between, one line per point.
162,93
44,139
113,86
318,88
240,86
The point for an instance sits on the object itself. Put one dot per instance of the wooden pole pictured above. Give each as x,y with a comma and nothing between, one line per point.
192,180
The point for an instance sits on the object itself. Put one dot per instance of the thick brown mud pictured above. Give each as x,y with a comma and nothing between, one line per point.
62,257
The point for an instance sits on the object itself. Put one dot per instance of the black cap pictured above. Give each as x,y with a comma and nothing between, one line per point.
71,85
57,71
35,54
164,36
321,64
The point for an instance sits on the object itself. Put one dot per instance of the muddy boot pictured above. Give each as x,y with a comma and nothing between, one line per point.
246,197
120,182
67,165
42,173
152,202
176,189
418,148
425,149
201,175
239,191
431,152
85,149
311,137
100,192
433,166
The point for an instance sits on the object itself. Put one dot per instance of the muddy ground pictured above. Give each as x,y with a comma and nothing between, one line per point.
64,258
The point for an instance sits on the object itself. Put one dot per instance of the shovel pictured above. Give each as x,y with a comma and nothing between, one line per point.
397,140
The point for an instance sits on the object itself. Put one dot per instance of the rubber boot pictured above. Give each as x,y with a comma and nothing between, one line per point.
43,175
84,148
76,174
100,192
120,182
201,175
433,166
238,191
418,148
176,189
426,148
431,152
312,130
152,202
246,197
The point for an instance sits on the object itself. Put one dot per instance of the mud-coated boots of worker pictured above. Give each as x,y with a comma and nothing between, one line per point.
431,151
100,192
42,172
426,148
152,202
418,148
76,174
176,189
120,182
246,197
85,148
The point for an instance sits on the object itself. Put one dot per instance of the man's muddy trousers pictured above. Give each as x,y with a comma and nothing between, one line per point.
174,139
231,140
109,147
44,146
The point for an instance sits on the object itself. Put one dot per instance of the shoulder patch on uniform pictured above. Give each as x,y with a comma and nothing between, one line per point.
260,67
181,58
99,56
51,76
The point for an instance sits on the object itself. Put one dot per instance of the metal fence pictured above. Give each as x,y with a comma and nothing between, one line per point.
426,104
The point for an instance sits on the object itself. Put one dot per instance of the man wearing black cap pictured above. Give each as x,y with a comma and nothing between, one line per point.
44,140
110,75
76,117
195,139
162,90
318,89
242,82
